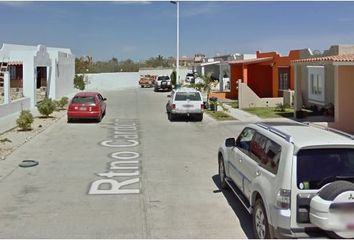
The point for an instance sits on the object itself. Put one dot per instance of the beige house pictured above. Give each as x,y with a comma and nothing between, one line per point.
326,81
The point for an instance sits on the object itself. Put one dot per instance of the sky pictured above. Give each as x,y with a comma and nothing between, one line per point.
139,30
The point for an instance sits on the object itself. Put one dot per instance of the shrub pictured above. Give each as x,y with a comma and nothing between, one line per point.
25,120
46,107
60,104
281,107
79,82
173,78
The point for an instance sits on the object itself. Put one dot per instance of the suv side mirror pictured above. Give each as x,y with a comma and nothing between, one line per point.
104,99
230,142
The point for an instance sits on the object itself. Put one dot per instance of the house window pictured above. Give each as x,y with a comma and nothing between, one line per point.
283,81
316,84
12,70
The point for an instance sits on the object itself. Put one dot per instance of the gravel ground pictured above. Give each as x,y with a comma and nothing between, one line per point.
15,138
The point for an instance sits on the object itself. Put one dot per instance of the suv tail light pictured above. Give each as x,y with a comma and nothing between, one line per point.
173,106
283,199
202,106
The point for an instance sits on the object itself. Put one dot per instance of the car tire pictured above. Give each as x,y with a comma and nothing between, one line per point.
222,173
260,221
199,117
172,117
69,120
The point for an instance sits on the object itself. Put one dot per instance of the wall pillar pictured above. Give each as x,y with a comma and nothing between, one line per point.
7,89
245,74
336,97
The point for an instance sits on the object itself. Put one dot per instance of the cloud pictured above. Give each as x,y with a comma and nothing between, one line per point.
16,4
199,9
138,2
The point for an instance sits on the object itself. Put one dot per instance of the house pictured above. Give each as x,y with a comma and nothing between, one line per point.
268,75
220,70
326,82
39,71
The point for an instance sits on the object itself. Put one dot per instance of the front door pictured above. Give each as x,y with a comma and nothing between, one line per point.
283,80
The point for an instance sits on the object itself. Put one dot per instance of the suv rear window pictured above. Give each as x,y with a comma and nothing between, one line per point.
163,78
317,167
184,96
83,99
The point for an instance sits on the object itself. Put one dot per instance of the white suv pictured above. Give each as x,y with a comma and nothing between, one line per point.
295,179
185,101
163,83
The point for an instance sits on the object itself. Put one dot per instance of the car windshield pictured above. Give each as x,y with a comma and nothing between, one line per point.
163,78
83,99
329,165
184,96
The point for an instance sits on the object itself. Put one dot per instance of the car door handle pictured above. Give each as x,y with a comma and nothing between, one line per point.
258,173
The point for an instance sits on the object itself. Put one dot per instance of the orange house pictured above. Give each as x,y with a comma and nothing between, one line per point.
267,75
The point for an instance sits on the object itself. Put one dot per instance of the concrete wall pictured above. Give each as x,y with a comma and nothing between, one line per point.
248,99
339,50
62,75
165,71
112,81
344,114
15,106
303,85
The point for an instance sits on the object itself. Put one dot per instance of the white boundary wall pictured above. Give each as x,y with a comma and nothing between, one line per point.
15,106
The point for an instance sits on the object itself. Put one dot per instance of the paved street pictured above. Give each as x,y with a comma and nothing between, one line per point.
168,177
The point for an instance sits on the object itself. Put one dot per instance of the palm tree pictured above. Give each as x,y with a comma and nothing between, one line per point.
207,83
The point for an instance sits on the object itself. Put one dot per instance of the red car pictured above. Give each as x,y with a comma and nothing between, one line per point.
87,105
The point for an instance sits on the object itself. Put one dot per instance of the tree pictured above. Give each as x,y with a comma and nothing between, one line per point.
207,83
173,78
79,82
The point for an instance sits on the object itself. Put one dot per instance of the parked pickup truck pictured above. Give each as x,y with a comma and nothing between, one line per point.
147,81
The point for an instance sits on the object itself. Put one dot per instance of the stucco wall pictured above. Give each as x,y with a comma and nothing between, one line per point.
167,71
63,74
303,85
248,99
14,106
344,114
112,81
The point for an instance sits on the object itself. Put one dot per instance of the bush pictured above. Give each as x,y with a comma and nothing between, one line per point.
281,107
60,104
173,78
46,107
25,120
79,82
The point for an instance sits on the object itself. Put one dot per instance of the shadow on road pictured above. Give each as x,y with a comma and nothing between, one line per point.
90,121
244,217
183,118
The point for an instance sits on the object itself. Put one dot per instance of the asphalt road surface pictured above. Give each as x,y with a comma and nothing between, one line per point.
134,175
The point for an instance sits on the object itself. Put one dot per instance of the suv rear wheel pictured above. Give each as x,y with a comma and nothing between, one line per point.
260,221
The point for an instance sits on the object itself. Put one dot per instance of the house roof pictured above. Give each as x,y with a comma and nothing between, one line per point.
252,60
335,58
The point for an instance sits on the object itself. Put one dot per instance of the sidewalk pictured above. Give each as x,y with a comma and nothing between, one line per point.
241,115
9,122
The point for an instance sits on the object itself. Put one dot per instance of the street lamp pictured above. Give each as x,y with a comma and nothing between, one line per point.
177,60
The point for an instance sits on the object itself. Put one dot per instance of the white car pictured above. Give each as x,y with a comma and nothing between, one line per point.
187,102
295,179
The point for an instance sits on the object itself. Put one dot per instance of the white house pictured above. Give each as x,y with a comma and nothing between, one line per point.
38,67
